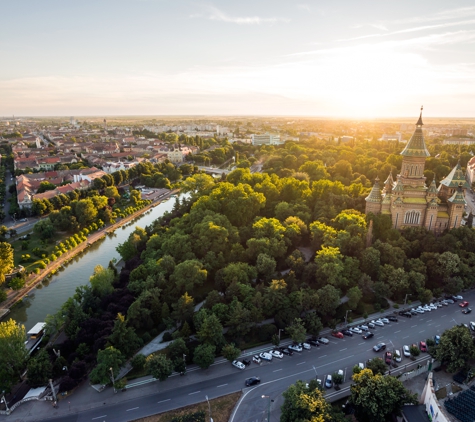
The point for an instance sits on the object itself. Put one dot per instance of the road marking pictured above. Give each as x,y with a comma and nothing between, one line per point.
359,344
99,417
301,363
421,331
429,320
163,401
322,356
343,349
437,326
277,370
133,408
444,315
222,385
405,337
196,392
398,331
414,326
430,323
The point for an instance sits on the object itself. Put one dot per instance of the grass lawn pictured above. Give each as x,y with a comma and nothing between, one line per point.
221,409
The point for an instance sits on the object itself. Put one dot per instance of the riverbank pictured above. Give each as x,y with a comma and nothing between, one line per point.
34,279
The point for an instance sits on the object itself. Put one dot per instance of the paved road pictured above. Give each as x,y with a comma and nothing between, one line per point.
276,376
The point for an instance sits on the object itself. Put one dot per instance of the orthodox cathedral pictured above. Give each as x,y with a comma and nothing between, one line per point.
408,200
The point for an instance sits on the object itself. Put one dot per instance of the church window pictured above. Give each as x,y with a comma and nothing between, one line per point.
412,217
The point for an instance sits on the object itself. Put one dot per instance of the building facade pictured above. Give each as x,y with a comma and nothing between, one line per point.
411,203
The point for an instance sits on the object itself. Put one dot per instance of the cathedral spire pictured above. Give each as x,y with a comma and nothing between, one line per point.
419,122
375,194
416,146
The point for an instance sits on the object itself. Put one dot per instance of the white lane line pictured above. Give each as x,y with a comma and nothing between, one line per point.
301,363
444,315
133,408
429,320
405,337
222,385
414,326
277,370
322,356
196,392
398,331
359,344
437,326
163,401
421,331
343,349
99,417
430,323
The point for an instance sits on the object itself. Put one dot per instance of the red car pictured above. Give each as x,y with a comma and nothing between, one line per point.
423,346
337,334
388,357
463,304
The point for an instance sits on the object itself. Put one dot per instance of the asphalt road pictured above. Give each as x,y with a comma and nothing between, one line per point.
277,375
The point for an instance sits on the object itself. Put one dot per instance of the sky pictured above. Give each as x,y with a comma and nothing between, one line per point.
336,58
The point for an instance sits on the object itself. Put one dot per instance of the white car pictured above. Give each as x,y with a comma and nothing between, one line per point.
379,323
295,347
306,346
433,306
385,320
397,355
406,351
419,310
371,325
256,359
355,330
364,327
265,356
458,297
472,325
238,365
361,365
328,381
427,309
444,303
277,354
323,340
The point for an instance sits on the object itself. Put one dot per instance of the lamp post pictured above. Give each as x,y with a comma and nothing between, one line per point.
209,408
3,400
268,406
405,299
113,380
346,316
184,363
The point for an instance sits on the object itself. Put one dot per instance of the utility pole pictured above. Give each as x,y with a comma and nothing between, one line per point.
209,408
346,317
113,380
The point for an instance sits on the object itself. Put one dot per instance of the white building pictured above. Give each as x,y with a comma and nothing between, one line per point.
266,139
391,138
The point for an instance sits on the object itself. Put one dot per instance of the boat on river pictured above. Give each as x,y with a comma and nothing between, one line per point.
35,335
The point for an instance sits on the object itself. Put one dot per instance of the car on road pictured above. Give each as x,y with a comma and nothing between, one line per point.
246,362
295,347
457,297
23,220
397,355
313,342
355,330
252,381
423,346
256,359
368,335
328,381
239,365
323,340
347,333
406,350
436,340
392,318
378,322
379,347
306,346
385,320
463,304
466,310
337,334
265,356
388,357
277,354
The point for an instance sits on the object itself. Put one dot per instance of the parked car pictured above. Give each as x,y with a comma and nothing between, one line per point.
406,350
337,334
371,325
239,365
246,362
432,306
265,356
450,301
463,304
313,342
392,318
347,333
355,330
286,351
407,314
295,347
466,310
436,340
306,346
277,354
256,359
423,346
472,325
379,347
378,322
361,365
323,340
364,328
385,320
414,311
368,335
388,357
252,381
426,308
397,355
328,381
457,297
444,303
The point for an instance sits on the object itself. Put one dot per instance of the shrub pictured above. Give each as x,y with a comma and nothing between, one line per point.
138,361
396,306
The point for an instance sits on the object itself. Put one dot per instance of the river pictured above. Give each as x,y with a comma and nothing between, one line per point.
49,295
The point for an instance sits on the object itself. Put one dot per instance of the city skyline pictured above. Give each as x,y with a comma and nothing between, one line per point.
156,57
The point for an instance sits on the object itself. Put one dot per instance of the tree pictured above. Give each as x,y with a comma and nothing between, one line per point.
40,369
45,186
456,348
124,338
188,275
337,378
377,366
44,229
313,323
231,352
328,300
414,350
85,212
159,366
6,260
101,281
354,295
106,359
13,354
377,397
204,355
297,331
211,331
307,404
177,349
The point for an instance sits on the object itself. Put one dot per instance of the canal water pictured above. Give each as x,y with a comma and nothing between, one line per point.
50,294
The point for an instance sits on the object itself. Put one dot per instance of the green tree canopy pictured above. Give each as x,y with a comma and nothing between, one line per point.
13,354
455,348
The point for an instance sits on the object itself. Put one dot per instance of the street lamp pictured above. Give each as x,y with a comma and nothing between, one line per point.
405,299
4,401
268,406
346,316
209,408
113,380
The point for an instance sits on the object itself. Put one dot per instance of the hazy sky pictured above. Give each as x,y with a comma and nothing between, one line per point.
343,58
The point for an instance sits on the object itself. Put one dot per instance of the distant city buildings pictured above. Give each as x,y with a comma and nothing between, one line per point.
266,139
392,137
